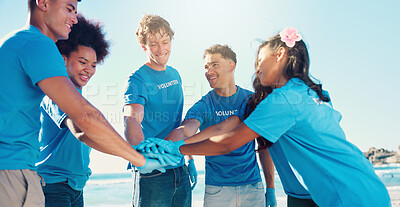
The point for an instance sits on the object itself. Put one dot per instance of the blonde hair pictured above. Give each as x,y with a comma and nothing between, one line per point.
151,24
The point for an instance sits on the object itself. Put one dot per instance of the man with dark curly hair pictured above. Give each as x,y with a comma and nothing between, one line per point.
64,161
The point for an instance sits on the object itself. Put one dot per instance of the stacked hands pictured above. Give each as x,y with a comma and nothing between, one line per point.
159,154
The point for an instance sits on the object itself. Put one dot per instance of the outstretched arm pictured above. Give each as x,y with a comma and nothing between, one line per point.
188,128
214,130
221,144
81,136
87,118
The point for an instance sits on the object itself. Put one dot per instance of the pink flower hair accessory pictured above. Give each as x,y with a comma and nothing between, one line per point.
290,36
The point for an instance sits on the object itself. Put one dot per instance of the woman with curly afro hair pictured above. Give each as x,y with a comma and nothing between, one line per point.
64,160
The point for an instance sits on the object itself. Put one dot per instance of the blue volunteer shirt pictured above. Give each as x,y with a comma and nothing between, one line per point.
63,158
238,167
335,171
291,184
160,92
26,57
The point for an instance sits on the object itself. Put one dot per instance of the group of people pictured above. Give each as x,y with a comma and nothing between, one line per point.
48,129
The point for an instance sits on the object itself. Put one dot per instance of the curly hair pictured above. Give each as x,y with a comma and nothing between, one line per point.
151,24
224,50
85,33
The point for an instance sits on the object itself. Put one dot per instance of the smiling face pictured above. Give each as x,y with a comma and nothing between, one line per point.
158,48
59,18
270,67
81,65
219,71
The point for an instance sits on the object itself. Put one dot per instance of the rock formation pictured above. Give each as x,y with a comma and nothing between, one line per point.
382,156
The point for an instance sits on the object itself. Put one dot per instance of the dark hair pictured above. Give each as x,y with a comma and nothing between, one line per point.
151,24
297,67
86,33
224,50
32,4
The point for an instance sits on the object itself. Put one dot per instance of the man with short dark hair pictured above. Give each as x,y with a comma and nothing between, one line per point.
232,179
30,67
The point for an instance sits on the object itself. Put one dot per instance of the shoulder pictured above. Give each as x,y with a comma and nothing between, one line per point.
32,36
294,87
29,39
210,95
138,74
206,99
244,92
168,67
173,71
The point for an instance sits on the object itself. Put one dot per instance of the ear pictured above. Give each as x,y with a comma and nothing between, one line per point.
42,4
232,65
281,54
65,59
143,46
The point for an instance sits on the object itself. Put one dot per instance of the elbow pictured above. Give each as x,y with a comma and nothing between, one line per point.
222,146
129,120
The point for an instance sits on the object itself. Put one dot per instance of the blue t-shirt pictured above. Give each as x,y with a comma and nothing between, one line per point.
335,171
290,183
238,167
160,92
26,57
62,156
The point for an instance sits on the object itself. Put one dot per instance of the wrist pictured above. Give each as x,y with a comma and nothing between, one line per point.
142,166
179,144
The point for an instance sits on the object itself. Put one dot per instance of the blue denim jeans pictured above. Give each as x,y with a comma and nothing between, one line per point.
62,195
156,189
251,195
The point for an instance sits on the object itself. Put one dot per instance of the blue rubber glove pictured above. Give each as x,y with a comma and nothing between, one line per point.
270,198
165,159
168,146
192,173
145,145
150,165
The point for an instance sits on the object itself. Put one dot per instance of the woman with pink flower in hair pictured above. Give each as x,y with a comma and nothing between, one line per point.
294,117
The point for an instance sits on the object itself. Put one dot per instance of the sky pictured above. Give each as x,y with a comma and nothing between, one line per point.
353,48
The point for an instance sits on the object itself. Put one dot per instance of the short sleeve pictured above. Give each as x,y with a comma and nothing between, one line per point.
52,110
135,92
41,59
272,117
198,111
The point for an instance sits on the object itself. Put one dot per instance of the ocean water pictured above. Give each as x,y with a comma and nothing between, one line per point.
115,190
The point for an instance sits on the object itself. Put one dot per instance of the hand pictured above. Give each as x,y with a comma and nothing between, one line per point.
165,159
192,173
168,146
270,198
150,165
146,146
